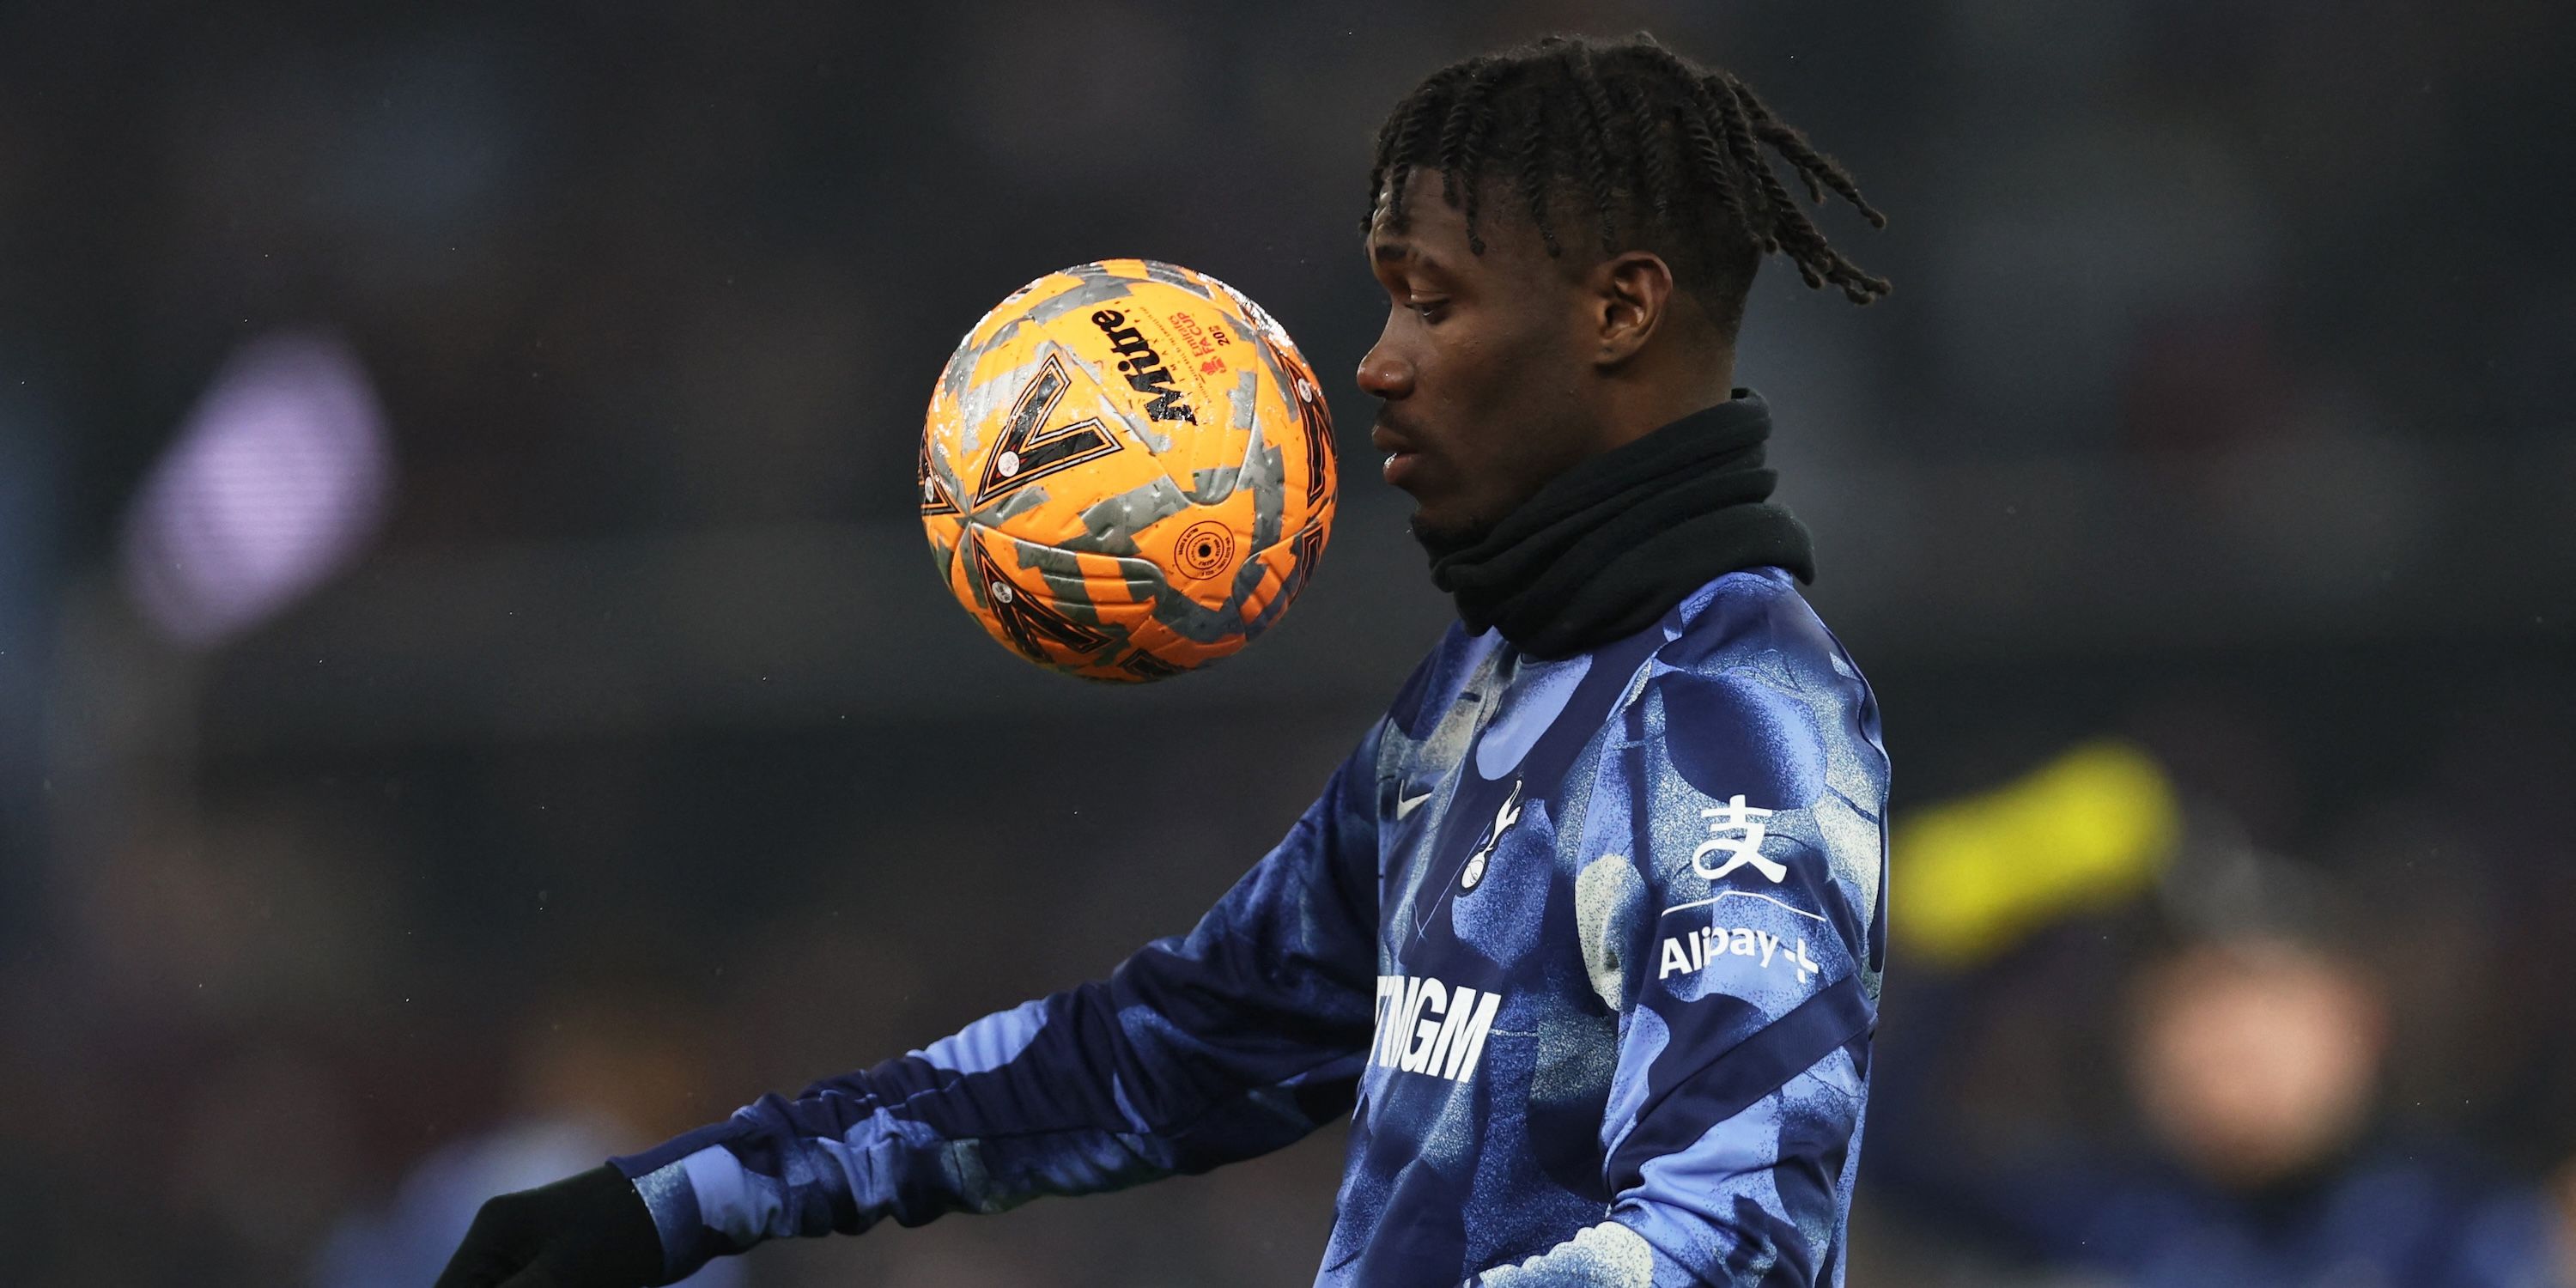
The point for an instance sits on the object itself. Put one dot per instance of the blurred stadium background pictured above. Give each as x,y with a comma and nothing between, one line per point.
473,698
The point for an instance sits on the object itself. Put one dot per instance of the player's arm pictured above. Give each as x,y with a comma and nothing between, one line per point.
1234,1040
1742,964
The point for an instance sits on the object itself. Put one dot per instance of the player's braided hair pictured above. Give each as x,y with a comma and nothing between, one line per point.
1666,154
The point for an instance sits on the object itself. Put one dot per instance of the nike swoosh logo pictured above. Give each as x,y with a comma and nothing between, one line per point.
1404,806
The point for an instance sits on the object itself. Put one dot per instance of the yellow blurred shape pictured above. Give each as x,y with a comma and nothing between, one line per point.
2084,831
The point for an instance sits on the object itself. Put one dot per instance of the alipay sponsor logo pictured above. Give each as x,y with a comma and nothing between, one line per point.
1711,945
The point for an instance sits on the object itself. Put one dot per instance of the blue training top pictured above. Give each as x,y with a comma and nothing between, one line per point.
1589,949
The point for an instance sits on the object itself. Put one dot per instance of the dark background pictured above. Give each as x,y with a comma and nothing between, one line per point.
2221,403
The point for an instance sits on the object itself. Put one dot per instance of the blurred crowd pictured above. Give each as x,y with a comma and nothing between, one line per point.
2285,283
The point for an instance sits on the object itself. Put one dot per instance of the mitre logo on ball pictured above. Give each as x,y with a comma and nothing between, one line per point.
1127,471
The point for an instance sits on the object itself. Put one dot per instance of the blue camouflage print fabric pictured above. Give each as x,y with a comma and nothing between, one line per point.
1588,949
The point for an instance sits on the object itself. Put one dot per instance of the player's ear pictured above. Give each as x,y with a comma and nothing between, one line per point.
1632,296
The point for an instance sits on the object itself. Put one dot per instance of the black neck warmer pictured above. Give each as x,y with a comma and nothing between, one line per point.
1609,546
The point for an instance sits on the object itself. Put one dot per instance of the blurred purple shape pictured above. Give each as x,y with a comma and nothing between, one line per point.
277,481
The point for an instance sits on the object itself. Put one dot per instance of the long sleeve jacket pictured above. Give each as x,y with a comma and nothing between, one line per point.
1587,948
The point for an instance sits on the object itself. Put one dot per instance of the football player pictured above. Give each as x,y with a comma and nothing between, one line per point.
1585,935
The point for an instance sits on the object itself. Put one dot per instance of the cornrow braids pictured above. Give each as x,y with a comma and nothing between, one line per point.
1668,155
1709,169
1754,182
1534,185
1595,139
1812,165
1819,264
1462,143
1656,155
1401,139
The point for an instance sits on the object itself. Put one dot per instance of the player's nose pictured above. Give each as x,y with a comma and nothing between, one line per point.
1384,374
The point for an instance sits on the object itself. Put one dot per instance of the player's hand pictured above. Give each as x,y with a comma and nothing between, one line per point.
585,1231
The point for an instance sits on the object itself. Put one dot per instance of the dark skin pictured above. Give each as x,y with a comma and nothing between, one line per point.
1498,372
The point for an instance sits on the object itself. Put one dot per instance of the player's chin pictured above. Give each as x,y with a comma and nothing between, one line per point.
1448,515
1446,528
1429,478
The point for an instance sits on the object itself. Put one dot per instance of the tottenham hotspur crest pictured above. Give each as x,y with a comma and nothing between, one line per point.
1473,874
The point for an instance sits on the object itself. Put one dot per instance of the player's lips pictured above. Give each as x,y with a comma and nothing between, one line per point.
1402,458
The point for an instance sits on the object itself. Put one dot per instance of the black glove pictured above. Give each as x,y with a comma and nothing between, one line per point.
585,1231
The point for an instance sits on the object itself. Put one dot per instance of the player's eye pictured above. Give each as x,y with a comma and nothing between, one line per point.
1428,310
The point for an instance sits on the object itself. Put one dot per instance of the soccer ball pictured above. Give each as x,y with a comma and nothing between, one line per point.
1127,471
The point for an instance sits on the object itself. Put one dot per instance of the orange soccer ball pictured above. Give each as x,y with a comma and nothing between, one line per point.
1127,471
